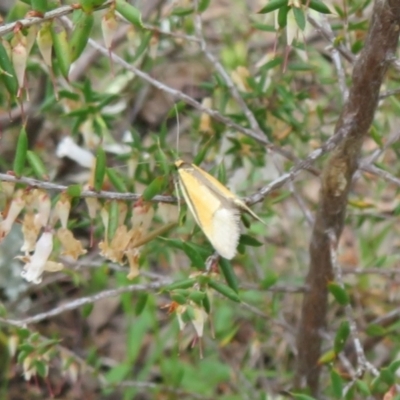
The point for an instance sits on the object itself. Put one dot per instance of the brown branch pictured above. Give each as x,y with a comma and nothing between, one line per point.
369,71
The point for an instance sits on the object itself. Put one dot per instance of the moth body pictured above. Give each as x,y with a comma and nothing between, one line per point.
214,207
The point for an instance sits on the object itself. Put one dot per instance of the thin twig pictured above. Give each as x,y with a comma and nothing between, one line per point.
393,138
387,176
389,93
275,288
225,76
330,37
326,27
303,207
84,193
72,305
371,271
327,147
56,13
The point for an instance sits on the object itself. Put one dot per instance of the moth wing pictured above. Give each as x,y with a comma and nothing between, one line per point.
241,204
226,230
220,224
216,186
222,191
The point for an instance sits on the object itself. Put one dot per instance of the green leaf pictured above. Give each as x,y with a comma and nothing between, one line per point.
141,303
299,17
337,384
272,6
21,152
116,180
387,376
86,310
80,34
394,366
375,330
113,221
229,274
221,173
248,240
37,165
118,373
203,5
155,187
89,5
100,169
61,48
178,298
39,5
182,284
363,387
162,159
194,256
282,16
327,357
341,337
197,296
41,368
340,294
224,290
277,61
74,190
318,6
263,27
201,154
132,14
182,11
207,304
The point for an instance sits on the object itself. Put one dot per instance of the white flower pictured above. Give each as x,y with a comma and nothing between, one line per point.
36,264
68,148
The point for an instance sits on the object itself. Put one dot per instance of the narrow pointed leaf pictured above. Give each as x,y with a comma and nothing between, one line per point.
100,169
21,152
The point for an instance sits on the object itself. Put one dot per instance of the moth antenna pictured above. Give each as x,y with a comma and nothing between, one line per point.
178,197
177,128
177,151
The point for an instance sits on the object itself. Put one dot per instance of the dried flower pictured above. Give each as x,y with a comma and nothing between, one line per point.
142,216
200,317
29,369
7,188
180,310
16,207
12,345
61,210
205,119
115,251
71,246
43,205
133,260
30,231
93,206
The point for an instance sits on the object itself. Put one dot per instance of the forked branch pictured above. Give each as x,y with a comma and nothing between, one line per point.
356,118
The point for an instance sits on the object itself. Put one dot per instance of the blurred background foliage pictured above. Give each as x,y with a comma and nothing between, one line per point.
130,345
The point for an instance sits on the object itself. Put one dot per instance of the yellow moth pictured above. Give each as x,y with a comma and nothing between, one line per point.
215,208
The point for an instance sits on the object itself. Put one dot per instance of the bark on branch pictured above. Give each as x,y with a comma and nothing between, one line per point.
355,120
